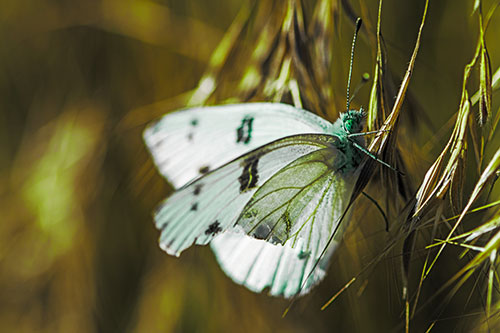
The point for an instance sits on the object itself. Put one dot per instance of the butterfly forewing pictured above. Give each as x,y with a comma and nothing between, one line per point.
210,205
189,143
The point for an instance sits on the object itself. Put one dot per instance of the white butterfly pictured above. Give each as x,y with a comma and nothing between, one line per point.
265,184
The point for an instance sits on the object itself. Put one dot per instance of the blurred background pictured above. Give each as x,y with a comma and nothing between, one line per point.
79,81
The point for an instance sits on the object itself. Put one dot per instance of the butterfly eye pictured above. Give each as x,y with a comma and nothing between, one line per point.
348,124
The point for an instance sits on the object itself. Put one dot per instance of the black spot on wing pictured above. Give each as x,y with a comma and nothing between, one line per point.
244,131
213,229
304,254
250,175
169,245
204,169
197,189
159,143
262,231
194,122
194,207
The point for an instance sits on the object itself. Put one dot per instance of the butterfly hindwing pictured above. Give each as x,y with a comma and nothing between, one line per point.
273,212
258,264
294,214
189,143
213,203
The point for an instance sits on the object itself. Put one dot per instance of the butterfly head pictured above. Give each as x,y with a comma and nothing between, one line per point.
353,121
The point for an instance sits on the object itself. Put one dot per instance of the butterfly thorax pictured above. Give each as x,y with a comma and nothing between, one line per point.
348,123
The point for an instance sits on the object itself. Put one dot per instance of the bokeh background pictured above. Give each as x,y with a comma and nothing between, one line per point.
79,81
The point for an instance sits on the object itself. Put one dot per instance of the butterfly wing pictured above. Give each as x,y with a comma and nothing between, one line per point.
258,264
291,218
212,204
186,144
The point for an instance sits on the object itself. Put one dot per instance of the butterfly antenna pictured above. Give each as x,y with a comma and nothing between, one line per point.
358,26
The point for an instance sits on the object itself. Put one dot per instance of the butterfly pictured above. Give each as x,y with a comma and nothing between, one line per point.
266,184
